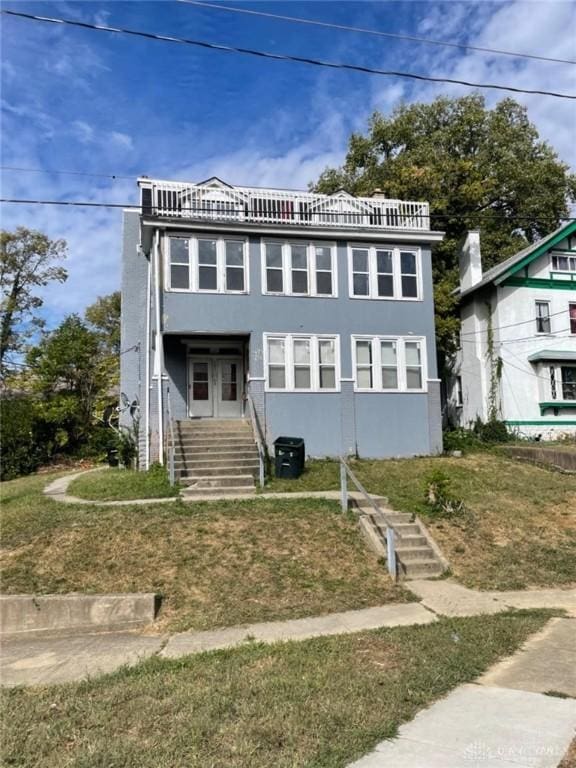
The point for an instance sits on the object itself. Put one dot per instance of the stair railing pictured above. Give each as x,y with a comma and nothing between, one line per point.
260,442
345,473
170,437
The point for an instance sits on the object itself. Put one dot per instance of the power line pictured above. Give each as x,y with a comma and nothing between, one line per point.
302,217
378,33
512,325
283,56
66,173
528,338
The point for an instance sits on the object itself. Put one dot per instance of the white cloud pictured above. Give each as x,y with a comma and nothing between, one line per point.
122,140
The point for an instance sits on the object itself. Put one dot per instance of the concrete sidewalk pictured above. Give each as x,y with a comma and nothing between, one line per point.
480,727
48,660
506,719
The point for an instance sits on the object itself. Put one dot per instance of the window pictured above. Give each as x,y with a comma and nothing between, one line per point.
568,382
234,250
274,268
394,364
542,317
360,272
384,273
179,263
563,263
572,314
459,392
207,265
301,363
299,269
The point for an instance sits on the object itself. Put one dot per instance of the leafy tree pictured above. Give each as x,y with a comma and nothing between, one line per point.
67,374
28,261
479,168
104,317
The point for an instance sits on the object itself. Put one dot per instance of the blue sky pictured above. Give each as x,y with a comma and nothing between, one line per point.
84,101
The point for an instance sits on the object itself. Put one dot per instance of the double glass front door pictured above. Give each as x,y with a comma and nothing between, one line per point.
215,387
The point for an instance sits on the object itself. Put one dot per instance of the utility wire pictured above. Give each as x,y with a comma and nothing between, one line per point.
282,56
529,338
66,173
302,217
512,325
378,33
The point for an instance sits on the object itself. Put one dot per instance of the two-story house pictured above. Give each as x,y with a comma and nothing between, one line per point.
312,314
517,355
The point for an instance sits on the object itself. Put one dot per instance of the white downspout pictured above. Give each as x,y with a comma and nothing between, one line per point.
158,352
147,369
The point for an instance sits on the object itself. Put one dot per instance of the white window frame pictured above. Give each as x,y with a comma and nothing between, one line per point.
570,255
396,271
311,246
538,317
220,264
401,358
314,339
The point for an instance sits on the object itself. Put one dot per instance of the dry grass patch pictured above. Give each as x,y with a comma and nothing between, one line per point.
524,517
214,564
320,703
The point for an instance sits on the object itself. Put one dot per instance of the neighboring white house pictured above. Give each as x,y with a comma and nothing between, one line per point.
517,357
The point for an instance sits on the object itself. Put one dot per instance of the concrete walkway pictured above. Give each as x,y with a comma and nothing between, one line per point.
45,660
394,615
56,659
478,727
506,719
58,490
448,598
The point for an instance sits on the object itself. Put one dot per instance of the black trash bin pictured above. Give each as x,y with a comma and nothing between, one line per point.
289,456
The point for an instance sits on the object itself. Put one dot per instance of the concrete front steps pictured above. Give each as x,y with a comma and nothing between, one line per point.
215,457
417,555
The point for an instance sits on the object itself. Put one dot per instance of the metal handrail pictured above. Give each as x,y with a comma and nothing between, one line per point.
346,472
171,443
260,443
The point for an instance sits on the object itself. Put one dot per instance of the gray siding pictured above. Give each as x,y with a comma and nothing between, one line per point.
371,425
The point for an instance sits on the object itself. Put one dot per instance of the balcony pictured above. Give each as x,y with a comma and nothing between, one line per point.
216,201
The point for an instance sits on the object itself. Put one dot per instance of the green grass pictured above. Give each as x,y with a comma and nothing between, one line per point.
315,704
215,564
524,530
123,484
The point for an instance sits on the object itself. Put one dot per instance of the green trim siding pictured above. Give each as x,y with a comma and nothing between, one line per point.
560,404
539,282
538,251
545,423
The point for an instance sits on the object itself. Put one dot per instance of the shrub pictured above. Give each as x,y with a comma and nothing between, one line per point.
461,440
27,441
492,431
439,496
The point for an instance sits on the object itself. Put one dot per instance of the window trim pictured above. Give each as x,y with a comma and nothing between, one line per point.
193,273
537,317
377,363
396,271
570,255
311,246
289,365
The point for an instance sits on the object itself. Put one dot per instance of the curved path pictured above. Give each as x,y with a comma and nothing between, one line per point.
58,490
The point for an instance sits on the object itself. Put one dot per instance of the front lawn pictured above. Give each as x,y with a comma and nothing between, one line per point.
216,564
524,517
320,703
123,484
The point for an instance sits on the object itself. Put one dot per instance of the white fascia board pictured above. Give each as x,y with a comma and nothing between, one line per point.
396,235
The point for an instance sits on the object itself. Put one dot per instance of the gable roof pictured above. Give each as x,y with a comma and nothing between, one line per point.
515,263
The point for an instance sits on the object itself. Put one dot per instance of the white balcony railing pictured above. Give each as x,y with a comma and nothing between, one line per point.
216,201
